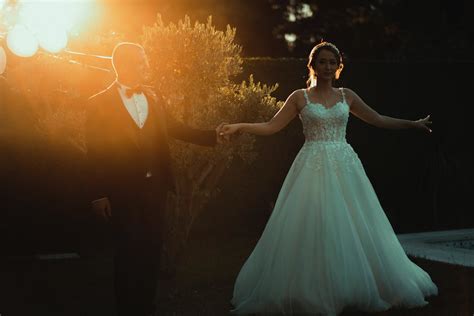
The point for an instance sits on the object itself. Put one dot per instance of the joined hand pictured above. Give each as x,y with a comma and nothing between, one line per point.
222,138
230,129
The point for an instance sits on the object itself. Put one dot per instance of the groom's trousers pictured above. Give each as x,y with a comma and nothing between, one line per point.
137,218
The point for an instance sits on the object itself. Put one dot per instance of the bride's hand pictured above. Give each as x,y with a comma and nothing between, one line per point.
230,129
423,123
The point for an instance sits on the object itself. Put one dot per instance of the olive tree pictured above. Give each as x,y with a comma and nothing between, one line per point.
193,65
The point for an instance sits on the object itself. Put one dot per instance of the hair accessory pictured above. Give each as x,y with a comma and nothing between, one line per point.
323,44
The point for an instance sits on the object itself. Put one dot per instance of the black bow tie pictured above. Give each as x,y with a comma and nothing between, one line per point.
129,92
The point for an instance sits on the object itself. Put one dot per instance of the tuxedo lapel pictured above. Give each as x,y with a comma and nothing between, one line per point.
122,123
120,108
119,117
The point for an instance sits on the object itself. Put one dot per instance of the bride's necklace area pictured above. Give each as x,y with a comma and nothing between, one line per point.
323,98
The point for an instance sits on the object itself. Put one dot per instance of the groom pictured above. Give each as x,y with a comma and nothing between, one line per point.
127,129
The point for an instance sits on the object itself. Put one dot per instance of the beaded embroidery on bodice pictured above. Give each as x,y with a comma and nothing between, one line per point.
325,124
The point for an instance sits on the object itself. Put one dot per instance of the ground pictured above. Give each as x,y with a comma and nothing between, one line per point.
203,286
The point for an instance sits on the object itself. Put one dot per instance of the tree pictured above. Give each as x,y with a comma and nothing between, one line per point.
192,69
384,29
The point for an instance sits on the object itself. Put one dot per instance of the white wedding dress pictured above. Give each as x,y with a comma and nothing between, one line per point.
328,244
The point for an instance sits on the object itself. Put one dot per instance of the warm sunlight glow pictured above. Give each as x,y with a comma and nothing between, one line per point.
51,21
3,60
52,39
22,42
63,14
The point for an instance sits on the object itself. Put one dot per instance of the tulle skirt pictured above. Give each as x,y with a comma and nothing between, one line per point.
328,245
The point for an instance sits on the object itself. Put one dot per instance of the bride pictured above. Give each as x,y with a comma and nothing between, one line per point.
328,245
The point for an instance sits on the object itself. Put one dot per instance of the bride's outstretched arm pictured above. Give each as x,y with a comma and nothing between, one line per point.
288,112
360,109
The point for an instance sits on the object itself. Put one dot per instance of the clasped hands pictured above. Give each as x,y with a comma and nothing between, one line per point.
224,132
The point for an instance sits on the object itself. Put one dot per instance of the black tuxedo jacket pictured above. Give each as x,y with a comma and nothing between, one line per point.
113,149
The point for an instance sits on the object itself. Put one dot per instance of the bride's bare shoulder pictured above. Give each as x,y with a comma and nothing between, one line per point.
297,98
349,94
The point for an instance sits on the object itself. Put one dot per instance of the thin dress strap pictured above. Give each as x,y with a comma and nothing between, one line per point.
343,94
306,96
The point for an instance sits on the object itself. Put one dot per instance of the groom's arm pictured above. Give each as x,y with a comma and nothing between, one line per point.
182,131
188,134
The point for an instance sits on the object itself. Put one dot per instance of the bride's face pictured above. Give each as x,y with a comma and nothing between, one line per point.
326,65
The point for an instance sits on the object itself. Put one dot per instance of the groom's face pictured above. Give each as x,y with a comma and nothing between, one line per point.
132,65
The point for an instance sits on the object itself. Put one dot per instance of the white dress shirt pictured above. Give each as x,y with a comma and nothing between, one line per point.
136,105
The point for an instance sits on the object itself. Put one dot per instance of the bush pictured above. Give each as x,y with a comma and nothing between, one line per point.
193,65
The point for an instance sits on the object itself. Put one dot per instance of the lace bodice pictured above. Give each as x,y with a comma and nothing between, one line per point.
325,133
325,124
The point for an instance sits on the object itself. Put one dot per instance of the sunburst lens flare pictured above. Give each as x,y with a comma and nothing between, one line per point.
22,42
50,22
52,39
62,14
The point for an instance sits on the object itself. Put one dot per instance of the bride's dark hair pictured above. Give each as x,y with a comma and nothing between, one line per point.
314,54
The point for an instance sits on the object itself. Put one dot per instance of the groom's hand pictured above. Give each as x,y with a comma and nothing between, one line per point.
102,208
221,137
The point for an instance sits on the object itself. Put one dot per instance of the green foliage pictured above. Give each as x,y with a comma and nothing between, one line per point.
192,68
193,65
191,61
